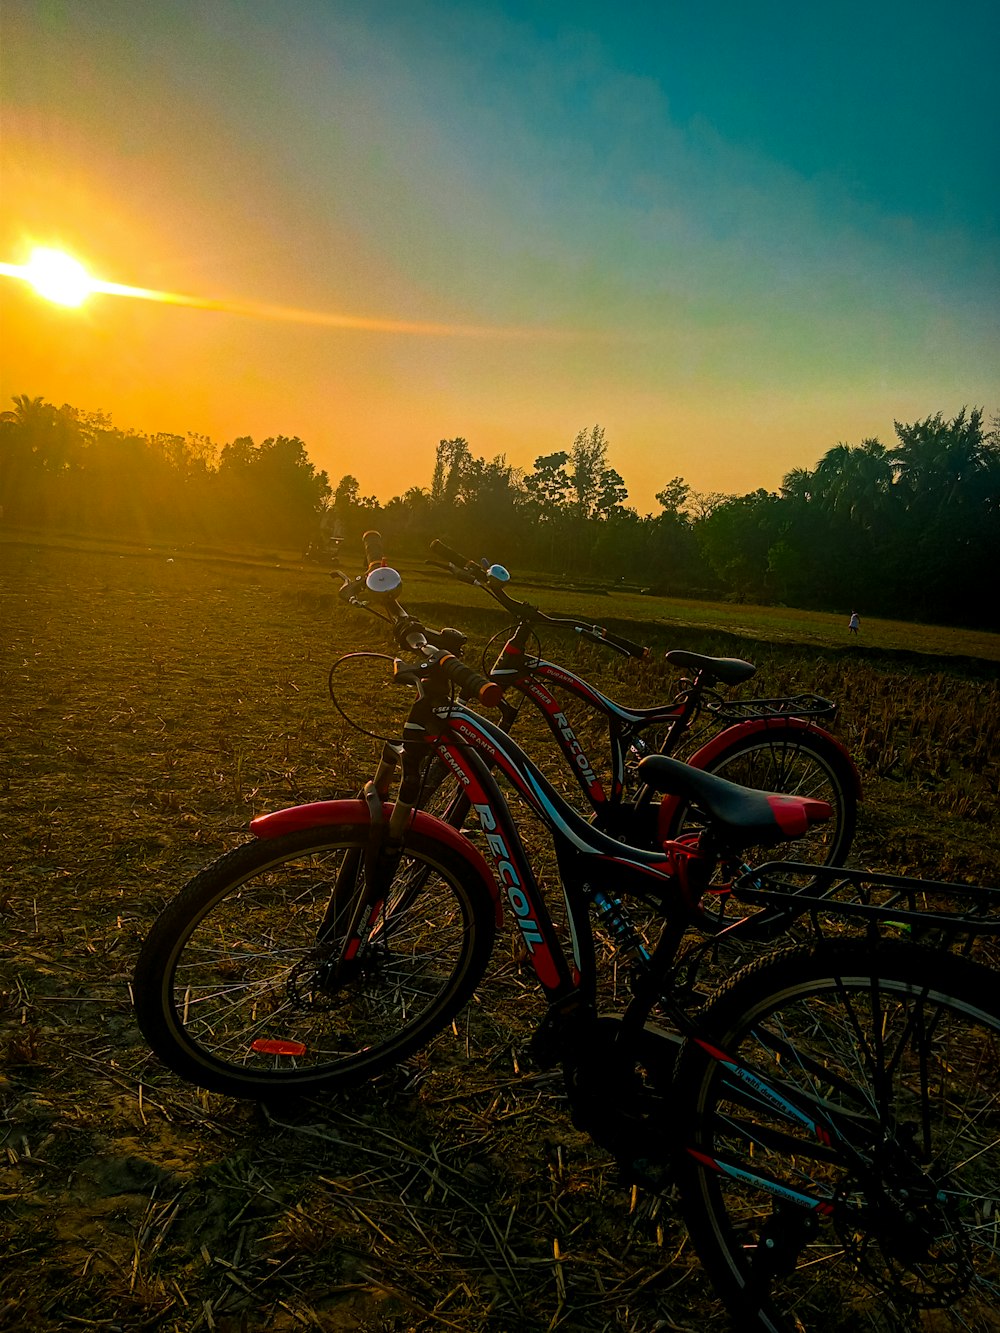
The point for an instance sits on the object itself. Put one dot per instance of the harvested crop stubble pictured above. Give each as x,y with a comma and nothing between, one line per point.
151,708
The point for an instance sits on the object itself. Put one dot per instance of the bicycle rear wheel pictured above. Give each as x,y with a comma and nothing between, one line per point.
242,986
904,1043
797,763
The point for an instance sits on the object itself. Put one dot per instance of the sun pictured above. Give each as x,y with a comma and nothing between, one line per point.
58,277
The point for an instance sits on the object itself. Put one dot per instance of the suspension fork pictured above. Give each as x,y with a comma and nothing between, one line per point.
385,770
363,879
385,840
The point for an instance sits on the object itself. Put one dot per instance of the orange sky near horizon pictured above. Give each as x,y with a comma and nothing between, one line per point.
726,332
176,369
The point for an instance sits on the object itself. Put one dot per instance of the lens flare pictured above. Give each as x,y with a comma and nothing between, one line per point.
58,277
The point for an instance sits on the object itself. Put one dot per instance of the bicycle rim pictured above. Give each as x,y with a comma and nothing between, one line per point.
243,985
908,1042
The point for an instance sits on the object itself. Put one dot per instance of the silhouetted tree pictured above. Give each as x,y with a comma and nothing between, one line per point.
909,530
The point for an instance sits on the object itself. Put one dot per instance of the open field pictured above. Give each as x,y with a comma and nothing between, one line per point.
154,702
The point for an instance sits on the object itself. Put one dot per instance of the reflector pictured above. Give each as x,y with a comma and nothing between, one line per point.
277,1046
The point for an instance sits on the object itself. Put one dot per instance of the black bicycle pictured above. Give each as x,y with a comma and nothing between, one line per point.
767,744
832,1119
773,744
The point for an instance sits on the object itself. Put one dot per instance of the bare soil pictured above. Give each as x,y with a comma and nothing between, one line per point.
155,701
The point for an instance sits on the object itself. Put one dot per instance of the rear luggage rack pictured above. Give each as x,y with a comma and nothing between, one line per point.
912,905
797,705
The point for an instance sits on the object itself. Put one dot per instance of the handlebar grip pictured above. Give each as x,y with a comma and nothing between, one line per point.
372,542
470,682
449,553
626,645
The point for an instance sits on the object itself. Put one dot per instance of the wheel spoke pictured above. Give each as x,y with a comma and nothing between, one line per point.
908,1217
249,980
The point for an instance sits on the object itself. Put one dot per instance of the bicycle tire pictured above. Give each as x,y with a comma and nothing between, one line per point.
907,1038
232,987
798,763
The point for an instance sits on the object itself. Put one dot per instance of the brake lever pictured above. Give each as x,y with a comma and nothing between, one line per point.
463,575
347,592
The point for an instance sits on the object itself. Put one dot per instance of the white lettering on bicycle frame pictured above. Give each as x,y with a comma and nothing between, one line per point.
507,875
454,765
767,1093
575,748
771,1186
476,737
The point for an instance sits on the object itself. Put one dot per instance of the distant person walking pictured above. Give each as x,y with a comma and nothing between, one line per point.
854,624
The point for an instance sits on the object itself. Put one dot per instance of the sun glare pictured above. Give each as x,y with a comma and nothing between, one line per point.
58,277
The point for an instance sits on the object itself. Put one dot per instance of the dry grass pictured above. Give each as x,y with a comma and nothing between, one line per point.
151,707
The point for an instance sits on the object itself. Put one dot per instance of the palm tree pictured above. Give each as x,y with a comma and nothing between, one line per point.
938,459
50,437
856,482
27,409
798,485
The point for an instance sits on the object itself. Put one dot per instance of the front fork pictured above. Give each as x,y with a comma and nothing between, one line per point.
389,761
364,878
376,791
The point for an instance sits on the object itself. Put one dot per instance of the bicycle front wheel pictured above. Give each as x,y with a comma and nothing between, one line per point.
900,1046
243,986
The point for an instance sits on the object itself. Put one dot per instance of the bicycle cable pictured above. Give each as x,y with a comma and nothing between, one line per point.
374,735
381,657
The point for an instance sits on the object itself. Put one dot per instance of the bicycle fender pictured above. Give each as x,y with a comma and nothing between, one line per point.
317,814
731,735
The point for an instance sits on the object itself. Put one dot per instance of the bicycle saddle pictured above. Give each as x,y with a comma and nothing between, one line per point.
750,817
730,670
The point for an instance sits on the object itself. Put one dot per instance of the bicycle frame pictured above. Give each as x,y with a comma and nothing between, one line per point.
473,748
532,676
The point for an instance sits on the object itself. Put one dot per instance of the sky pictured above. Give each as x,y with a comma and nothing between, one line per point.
732,235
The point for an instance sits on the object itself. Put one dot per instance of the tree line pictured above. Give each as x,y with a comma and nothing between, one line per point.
910,529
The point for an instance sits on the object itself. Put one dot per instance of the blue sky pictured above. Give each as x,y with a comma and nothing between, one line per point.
756,230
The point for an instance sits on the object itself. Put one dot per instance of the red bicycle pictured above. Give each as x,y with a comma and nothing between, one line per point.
831,1119
774,744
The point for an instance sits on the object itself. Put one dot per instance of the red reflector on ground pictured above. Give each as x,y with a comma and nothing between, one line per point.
269,1046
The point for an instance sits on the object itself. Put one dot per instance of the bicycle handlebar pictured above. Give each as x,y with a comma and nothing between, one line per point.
627,646
470,682
451,555
410,633
470,571
372,542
